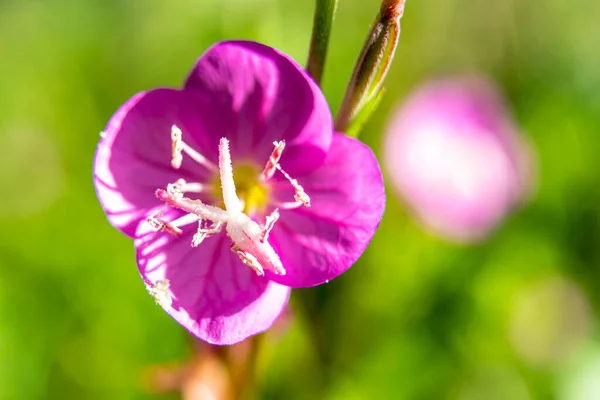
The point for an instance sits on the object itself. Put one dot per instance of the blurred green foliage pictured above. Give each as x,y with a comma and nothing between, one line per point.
416,318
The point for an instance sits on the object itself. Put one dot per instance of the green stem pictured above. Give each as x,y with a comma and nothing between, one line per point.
324,14
241,360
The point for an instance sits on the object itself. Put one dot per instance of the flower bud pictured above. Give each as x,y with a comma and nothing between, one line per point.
364,90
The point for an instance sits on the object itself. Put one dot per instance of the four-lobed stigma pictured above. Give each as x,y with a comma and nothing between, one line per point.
250,240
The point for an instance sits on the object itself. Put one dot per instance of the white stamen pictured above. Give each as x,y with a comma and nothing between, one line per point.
250,240
248,259
199,158
180,187
269,224
203,233
178,146
288,205
269,170
159,225
160,292
193,187
273,164
197,207
174,189
102,134
185,220
300,195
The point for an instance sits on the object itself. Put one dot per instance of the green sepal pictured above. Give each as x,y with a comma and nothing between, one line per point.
365,114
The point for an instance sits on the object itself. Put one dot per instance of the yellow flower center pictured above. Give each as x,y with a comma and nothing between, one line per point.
249,188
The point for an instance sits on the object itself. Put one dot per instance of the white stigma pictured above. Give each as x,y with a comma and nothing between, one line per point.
250,240
232,202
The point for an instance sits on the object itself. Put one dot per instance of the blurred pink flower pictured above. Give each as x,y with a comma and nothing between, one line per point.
225,221
456,157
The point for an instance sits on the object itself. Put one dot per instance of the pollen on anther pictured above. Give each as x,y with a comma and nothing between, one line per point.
175,189
273,161
176,147
300,196
158,225
160,293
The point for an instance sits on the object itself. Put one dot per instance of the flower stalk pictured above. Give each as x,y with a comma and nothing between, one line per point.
317,54
365,88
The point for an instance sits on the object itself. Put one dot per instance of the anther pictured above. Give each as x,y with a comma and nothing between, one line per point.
269,224
160,293
176,189
176,147
273,160
300,195
203,233
248,259
273,164
180,187
158,225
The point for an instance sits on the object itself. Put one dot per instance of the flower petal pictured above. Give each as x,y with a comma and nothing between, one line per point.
318,243
214,295
133,158
456,157
265,96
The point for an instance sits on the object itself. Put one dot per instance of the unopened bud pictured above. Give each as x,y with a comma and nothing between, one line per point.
371,68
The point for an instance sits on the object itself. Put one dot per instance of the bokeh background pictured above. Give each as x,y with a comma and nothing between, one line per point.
513,317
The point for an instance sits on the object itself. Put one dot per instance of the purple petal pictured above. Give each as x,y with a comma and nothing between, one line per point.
134,157
263,95
318,243
215,296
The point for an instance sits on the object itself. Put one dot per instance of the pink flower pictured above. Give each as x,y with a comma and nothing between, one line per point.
236,189
455,155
